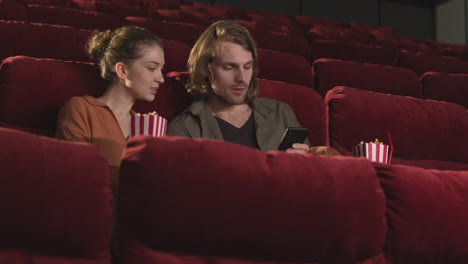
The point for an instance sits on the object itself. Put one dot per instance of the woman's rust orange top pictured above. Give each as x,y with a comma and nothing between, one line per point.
86,119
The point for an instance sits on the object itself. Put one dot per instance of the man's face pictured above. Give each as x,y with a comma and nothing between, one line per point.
231,72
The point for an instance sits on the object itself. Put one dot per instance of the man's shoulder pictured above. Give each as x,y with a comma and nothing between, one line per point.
192,110
181,117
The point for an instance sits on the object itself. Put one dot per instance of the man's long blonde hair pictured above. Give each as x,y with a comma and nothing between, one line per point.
204,52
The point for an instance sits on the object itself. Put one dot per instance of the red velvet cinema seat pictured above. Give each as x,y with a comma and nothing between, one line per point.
427,212
183,32
182,16
446,87
329,73
66,43
422,62
309,22
282,41
205,201
426,133
176,55
352,51
43,85
285,67
42,40
72,17
55,200
13,10
33,90
308,105
119,10
339,34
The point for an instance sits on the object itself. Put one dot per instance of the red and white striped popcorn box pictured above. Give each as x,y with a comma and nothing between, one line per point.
150,124
376,152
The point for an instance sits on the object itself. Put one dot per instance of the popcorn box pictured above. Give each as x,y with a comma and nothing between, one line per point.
374,151
150,124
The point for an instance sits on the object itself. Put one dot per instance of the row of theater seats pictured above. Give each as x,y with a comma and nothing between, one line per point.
274,65
450,87
426,133
180,208
311,38
203,14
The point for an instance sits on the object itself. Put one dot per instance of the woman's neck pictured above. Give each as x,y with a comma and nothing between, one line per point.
118,99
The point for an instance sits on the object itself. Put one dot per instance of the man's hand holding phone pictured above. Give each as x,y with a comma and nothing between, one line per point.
298,148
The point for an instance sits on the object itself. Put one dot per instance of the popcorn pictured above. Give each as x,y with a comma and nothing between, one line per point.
374,151
150,124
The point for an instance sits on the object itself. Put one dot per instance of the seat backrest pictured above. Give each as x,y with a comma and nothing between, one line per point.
66,43
183,32
307,104
446,87
264,208
13,10
421,129
422,62
176,55
116,9
329,73
56,201
72,17
182,16
314,21
419,200
352,51
281,41
217,12
339,34
285,67
33,90
43,41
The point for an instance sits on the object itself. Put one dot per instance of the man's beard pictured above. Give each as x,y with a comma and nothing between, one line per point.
223,98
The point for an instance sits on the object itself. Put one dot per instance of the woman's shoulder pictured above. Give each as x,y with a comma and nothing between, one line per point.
80,102
76,105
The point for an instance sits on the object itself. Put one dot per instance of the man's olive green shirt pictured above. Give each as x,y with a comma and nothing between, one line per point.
271,120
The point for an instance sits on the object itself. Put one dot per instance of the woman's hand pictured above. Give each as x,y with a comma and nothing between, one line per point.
298,148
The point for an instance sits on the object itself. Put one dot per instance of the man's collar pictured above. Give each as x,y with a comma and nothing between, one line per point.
258,104
197,107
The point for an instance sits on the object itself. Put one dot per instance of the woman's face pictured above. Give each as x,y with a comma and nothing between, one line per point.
144,75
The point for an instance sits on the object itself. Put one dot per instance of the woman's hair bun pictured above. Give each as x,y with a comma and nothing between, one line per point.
98,44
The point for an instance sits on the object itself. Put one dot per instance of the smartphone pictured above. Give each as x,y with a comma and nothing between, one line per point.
293,135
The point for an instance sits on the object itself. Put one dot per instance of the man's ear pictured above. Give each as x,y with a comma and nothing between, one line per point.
121,70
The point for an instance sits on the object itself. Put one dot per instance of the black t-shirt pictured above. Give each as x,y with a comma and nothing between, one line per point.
244,135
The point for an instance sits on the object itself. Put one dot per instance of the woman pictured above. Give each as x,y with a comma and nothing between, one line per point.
131,59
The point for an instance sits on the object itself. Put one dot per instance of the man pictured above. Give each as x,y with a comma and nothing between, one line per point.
223,68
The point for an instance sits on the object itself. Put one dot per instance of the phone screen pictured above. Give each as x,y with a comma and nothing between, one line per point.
293,135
